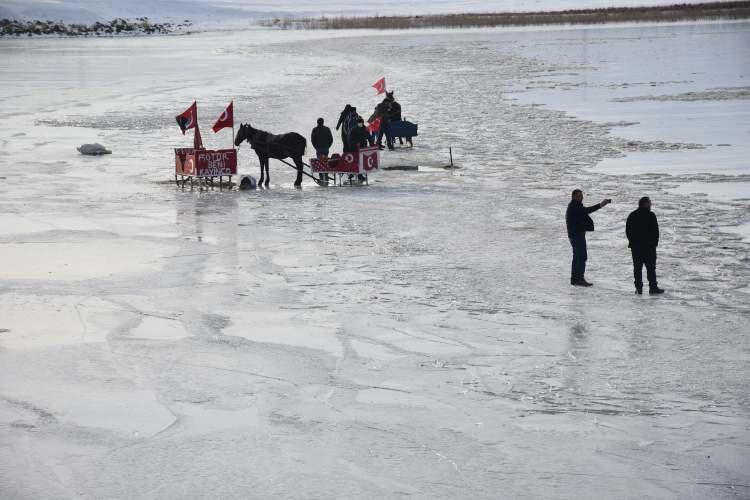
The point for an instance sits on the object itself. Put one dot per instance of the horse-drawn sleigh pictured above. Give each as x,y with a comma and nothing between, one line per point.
206,165
292,146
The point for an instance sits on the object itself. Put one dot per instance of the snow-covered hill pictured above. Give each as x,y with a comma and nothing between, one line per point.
212,11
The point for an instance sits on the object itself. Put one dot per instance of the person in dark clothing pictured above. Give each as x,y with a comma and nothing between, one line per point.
642,230
395,111
350,123
321,139
343,119
395,114
358,138
383,111
578,223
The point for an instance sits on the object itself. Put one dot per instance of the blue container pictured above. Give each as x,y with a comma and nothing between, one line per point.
402,129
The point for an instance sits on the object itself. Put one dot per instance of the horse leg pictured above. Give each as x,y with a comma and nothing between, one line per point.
268,172
260,160
300,167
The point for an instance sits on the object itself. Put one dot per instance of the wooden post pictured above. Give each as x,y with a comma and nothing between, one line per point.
450,152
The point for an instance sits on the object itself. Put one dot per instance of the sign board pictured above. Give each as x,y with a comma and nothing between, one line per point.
205,162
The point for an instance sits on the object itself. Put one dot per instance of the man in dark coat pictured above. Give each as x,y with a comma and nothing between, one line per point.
395,114
642,230
395,111
343,120
321,139
578,222
358,137
383,111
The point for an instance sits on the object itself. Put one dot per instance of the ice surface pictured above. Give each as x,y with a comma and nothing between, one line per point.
416,337
722,191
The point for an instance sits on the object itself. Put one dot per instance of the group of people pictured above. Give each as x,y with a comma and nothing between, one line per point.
355,132
641,229
387,111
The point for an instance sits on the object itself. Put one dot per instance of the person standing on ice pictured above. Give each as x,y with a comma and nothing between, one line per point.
347,119
642,230
578,221
321,139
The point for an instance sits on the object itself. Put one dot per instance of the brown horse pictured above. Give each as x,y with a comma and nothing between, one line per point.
266,146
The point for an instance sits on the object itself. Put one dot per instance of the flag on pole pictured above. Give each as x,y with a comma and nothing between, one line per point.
379,86
197,139
189,118
226,119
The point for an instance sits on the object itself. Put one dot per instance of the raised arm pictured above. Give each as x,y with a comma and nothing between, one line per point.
593,208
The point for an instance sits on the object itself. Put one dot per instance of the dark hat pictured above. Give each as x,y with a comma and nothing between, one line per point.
320,121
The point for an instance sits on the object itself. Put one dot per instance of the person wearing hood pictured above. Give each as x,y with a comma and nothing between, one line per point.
343,119
642,230
579,222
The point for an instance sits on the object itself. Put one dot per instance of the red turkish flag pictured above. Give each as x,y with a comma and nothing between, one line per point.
379,86
374,126
188,119
226,119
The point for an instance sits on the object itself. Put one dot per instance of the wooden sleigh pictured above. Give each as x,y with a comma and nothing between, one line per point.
359,163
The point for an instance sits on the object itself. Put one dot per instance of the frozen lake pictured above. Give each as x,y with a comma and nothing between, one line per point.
415,338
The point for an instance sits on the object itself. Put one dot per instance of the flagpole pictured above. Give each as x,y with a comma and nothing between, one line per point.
231,104
195,132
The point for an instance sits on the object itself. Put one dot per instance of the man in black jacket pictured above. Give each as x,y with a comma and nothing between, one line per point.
642,230
578,222
321,139
343,120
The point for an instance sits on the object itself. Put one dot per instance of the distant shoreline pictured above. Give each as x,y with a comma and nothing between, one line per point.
115,27
733,10
708,11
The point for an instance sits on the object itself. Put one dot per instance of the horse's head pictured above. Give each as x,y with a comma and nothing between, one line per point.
389,96
240,135
245,133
